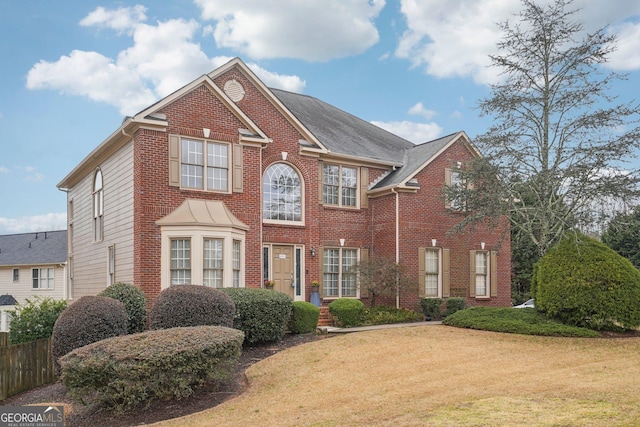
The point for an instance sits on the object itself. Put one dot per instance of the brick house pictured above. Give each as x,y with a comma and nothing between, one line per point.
227,182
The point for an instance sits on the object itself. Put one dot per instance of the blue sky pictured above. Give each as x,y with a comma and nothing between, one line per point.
73,70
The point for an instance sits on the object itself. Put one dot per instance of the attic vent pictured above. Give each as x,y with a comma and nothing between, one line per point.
234,90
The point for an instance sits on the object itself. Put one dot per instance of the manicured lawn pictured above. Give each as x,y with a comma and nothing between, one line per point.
439,376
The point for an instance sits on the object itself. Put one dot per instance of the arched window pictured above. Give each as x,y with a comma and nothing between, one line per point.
98,206
282,194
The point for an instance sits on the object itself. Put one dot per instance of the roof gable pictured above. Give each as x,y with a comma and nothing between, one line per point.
45,247
419,156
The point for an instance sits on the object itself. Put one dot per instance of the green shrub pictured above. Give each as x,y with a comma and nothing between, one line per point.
431,308
191,305
347,312
454,304
89,319
134,302
34,319
304,317
261,314
583,282
514,320
381,315
124,372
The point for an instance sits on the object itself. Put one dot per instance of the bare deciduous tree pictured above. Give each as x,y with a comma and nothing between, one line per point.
559,141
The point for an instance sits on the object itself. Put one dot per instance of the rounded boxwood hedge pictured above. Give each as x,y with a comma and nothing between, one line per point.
582,282
88,320
304,317
261,314
134,302
191,305
124,372
347,312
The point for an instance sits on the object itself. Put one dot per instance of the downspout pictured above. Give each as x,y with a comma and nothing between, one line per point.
393,190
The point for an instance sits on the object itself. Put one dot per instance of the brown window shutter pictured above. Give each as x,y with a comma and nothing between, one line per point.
321,270
364,257
422,271
237,168
446,276
472,274
447,182
364,185
174,161
494,274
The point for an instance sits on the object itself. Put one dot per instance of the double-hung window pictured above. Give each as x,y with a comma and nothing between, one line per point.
339,276
204,165
236,263
339,185
98,207
482,273
432,273
213,265
42,278
180,261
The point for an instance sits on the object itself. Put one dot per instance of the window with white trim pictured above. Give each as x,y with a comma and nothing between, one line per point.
213,265
16,275
204,165
482,273
236,263
432,273
339,185
180,261
112,264
43,278
339,276
282,194
98,207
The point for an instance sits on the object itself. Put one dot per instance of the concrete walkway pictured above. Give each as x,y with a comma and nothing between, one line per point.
334,330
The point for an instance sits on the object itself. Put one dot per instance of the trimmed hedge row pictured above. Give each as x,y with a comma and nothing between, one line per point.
134,302
263,315
191,305
123,372
304,317
88,320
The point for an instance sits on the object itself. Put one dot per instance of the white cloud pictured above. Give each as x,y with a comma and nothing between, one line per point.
26,224
163,58
122,19
32,174
3,169
313,30
412,131
453,38
420,110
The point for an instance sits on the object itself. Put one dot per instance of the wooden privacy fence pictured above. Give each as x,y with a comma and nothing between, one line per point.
24,366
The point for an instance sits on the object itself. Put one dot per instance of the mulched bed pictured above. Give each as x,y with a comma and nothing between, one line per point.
208,396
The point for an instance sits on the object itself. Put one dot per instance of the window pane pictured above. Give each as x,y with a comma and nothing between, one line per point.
330,184
217,166
331,270
192,163
481,274
282,193
236,264
432,269
180,261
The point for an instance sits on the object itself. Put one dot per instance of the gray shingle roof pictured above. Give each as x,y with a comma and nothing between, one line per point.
7,299
415,158
344,133
44,247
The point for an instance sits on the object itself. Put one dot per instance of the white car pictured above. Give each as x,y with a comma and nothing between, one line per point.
526,304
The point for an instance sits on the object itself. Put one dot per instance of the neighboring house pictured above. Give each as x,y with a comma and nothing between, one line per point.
227,182
31,264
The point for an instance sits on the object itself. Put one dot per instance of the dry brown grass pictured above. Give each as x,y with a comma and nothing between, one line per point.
439,376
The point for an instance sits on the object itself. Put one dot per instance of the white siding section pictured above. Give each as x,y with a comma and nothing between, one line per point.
23,288
90,259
